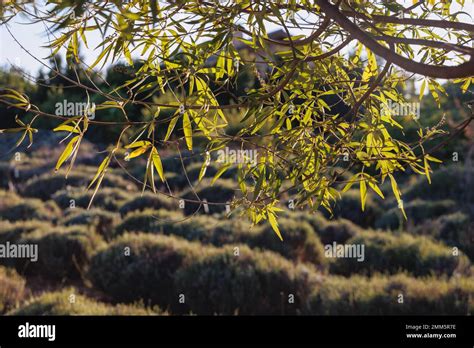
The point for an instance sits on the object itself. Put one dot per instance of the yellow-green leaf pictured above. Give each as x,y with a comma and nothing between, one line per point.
377,190
220,172
427,170
395,189
274,224
188,132
100,170
171,126
157,163
67,152
363,193
66,128
138,144
138,152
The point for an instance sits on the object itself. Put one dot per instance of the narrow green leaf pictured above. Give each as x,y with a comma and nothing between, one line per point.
188,132
220,172
138,152
363,193
171,126
67,152
157,163
100,170
66,128
274,223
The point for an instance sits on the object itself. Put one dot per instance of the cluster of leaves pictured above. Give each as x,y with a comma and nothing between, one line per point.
194,50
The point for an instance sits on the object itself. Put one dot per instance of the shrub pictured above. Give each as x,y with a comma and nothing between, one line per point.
12,289
175,181
147,272
100,221
379,295
58,303
221,192
150,221
13,231
455,229
349,207
299,243
234,230
7,198
453,182
30,168
63,253
173,163
195,228
250,283
402,252
148,200
46,185
4,175
30,209
328,231
194,170
417,211
315,219
106,198
338,231
203,228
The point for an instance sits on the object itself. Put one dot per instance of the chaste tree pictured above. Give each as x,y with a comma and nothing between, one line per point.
327,74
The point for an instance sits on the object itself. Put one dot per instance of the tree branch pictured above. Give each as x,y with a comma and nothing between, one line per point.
445,72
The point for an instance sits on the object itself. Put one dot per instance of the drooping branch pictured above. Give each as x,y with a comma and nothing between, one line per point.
447,72
423,42
435,23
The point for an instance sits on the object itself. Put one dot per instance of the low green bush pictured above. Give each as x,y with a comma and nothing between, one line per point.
174,164
13,231
388,253
28,209
107,198
194,170
315,219
234,230
203,228
417,211
349,207
142,267
148,200
5,171
30,168
300,243
455,229
452,182
338,231
7,198
100,221
380,295
222,192
12,289
46,185
195,228
69,302
149,221
63,252
251,283
175,181
328,231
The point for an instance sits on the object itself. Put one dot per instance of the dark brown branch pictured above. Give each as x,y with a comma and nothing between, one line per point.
445,72
423,42
436,23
